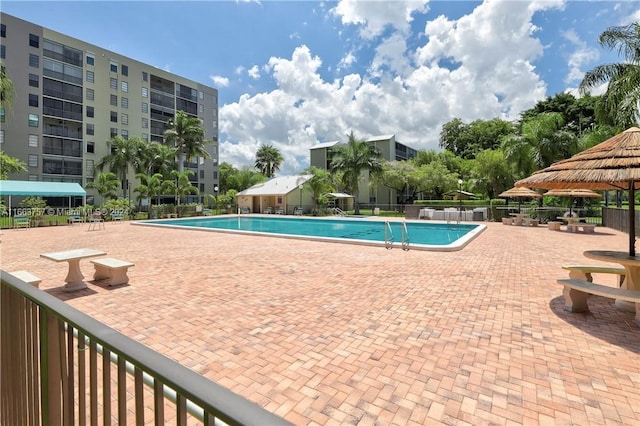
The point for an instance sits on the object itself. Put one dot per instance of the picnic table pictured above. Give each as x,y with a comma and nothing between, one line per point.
631,265
74,279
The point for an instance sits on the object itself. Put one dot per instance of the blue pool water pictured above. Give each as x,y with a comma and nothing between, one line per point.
421,235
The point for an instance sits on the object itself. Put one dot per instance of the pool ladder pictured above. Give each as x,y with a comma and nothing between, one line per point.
389,239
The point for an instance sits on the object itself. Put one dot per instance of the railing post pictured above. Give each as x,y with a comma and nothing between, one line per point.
50,363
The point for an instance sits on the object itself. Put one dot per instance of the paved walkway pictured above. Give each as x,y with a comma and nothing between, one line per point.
325,333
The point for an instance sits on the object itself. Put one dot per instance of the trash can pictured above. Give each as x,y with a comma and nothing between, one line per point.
479,214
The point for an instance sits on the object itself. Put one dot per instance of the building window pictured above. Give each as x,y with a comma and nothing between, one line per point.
145,123
114,117
33,100
34,80
145,92
1,137
33,141
34,41
91,147
91,60
113,100
124,69
124,102
33,160
2,115
90,94
145,136
124,133
113,83
113,132
88,166
90,77
201,108
113,66
124,119
34,120
124,86
145,107
3,30
201,95
34,60
90,129
90,112
145,76
3,51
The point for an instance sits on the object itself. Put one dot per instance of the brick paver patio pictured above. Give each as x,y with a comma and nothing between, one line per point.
325,333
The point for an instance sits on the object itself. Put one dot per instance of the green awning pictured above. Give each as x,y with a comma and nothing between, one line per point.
41,189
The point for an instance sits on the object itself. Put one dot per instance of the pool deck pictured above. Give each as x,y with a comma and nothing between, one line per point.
330,334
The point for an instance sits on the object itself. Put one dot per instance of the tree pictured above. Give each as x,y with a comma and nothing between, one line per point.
107,185
399,176
6,89
123,154
622,99
268,160
181,185
351,160
434,179
10,165
156,158
540,143
465,140
186,135
150,186
492,173
321,183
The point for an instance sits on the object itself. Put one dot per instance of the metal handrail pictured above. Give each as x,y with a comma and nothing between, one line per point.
338,211
388,236
56,316
405,237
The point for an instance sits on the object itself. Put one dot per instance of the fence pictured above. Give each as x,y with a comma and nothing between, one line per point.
56,369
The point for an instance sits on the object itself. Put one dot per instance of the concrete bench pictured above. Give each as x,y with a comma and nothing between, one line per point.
583,272
28,278
576,293
507,221
554,226
532,222
112,270
587,228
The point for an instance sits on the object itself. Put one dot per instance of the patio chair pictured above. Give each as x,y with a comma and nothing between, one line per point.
297,211
268,210
96,222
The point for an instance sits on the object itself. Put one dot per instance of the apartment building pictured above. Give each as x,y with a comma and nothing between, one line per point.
390,149
71,97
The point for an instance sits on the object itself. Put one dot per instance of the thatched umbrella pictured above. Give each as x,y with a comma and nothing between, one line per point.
520,193
611,165
572,193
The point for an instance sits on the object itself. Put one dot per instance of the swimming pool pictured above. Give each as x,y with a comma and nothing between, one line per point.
390,234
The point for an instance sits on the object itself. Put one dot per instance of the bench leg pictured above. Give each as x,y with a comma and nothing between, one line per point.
579,275
638,314
101,273
119,276
575,300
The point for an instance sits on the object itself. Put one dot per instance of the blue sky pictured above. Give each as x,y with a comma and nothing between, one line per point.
294,73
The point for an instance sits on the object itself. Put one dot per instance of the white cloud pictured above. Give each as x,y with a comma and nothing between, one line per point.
254,72
219,81
375,16
477,67
581,56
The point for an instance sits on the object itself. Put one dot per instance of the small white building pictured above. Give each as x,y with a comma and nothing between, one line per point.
283,193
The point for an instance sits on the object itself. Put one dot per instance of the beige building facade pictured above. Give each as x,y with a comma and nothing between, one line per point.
71,97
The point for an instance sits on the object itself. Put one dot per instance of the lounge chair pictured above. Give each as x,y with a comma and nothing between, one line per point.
297,211
268,210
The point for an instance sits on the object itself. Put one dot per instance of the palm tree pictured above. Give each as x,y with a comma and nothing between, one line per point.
181,185
268,160
123,153
186,135
541,142
621,101
106,184
351,160
150,186
157,158
320,183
